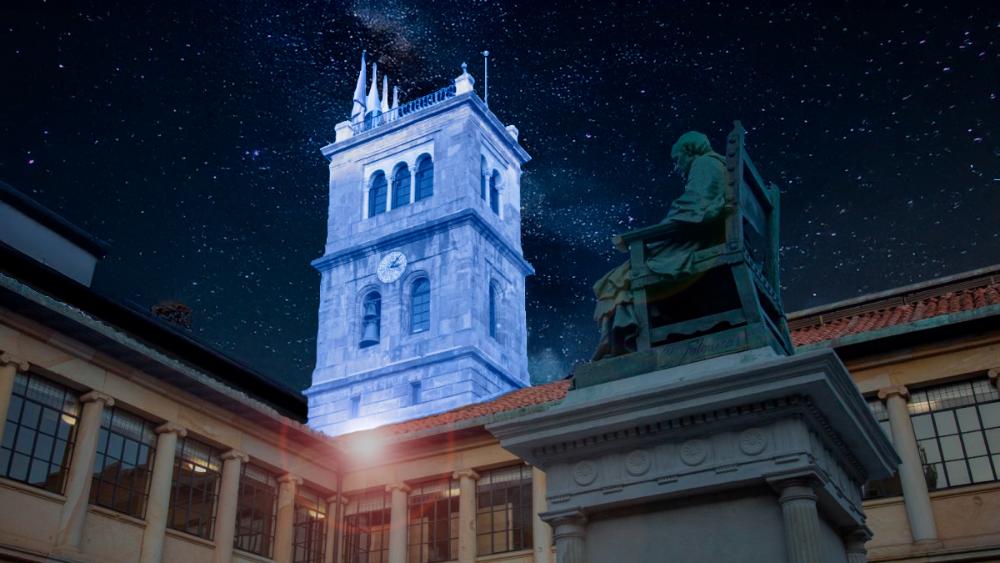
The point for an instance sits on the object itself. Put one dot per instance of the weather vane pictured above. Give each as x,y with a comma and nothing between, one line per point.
486,78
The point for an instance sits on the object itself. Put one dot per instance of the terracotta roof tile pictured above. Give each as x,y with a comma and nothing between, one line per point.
529,396
829,325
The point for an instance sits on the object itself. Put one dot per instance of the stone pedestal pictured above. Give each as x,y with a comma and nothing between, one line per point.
741,458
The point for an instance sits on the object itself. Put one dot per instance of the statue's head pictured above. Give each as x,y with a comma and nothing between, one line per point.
688,147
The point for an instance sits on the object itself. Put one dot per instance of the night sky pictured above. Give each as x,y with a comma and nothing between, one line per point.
187,135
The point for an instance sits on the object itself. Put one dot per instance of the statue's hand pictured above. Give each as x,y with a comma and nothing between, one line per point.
619,243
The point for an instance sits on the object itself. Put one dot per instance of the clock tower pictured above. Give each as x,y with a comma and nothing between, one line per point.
422,280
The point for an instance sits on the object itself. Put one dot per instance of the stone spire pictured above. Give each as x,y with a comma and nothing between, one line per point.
395,97
385,93
372,104
358,105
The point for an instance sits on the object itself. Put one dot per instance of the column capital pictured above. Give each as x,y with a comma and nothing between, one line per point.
797,488
855,538
235,454
171,428
398,486
568,519
6,358
470,473
994,375
93,396
290,478
886,392
335,498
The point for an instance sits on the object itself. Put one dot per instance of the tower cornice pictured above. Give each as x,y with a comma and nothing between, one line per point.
403,236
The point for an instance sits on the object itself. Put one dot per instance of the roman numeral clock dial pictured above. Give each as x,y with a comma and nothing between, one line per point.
391,267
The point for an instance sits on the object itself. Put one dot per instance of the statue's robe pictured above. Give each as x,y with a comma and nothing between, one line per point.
702,203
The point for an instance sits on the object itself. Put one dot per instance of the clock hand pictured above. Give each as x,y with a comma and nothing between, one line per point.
394,263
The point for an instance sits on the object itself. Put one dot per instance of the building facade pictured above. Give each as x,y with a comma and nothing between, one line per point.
422,282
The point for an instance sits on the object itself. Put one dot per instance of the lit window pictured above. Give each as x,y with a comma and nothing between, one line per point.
309,541
366,529
401,186
195,489
420,305
958,431
493,311
495,192
425,178
889,487
503,510
432,522
39,433
255,510
371,319
124,462
377,194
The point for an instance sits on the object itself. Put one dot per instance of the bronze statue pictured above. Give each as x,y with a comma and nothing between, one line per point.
697,216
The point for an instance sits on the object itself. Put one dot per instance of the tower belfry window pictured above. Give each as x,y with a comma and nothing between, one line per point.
401,186
377,194
495,192
420,305
425,178
371,319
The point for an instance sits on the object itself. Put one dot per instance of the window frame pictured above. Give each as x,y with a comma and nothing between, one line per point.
423,317
309,523
211,466
248,538
517,538
492,316
105,443
423,177
379,507
431,521
378,192
396,187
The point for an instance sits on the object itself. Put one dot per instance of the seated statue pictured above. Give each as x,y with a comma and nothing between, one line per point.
697,217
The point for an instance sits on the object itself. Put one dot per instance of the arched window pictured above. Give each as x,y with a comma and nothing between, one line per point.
401,186
425,177
371,319
483,173
377,194
495,192
420,305
493,310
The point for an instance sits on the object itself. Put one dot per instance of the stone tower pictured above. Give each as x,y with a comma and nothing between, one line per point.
422,292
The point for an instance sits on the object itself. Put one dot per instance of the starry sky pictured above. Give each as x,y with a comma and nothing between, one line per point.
187,135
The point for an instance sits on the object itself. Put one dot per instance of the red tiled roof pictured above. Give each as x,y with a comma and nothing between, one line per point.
896,310
529,396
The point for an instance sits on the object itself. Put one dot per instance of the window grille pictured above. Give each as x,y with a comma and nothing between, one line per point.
366,529
309,536
195,488
420,305
503,510
39,433
432,522
883,487
495,192
255,510
401,186
957,426
377,194
126,446
425,178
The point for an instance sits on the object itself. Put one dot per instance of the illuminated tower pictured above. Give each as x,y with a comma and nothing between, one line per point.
422,292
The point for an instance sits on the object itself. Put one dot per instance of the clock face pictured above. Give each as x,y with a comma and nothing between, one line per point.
392,266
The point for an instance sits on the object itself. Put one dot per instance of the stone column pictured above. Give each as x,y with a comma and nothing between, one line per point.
854,542
541,532
284,532
9,366
70,531
334,527
911,470
397,522
158,502
466,514
801,521
225,516
570,533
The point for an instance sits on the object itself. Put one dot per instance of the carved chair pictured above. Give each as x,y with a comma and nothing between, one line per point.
733,301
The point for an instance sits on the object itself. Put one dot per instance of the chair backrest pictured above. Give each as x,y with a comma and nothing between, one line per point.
754,224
